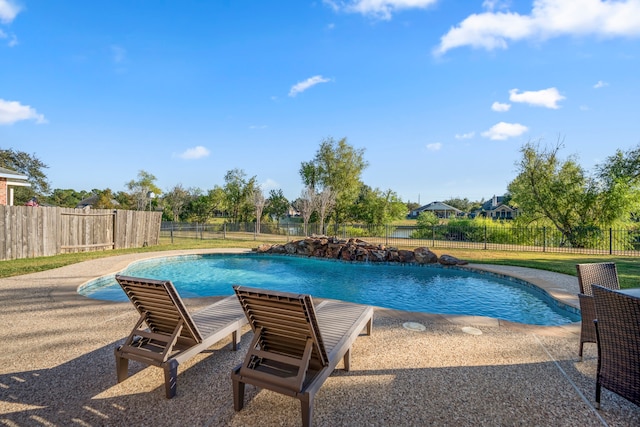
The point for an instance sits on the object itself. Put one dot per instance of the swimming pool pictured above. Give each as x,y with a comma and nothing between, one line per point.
429,288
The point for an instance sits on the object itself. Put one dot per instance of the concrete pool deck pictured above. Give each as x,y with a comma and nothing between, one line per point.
57,366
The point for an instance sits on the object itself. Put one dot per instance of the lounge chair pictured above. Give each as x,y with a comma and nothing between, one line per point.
166,334
600,273
618,336
296,345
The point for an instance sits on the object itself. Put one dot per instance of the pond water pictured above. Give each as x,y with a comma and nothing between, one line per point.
430,288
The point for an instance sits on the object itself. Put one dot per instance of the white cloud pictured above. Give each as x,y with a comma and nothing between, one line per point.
381,9
502,131
548,98
467,135
436,146
8,11
500,107
600,84
310,82
197,152
269,184
584,108
13,111
548,18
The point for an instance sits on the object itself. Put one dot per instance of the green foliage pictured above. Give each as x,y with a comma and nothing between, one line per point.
463,204
277,204
32,167
66,198
336,166
375,207
143,190
425,222
239,191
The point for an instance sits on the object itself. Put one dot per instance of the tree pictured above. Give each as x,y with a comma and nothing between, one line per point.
259,202
375,207
336,167
620,178
143,190
238,191
465,205
561,192
66,198
32,167
176,200
203,207
277,204
305,204
324,202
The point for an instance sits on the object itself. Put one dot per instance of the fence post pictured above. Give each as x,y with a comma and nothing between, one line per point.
171,232
485,236
610,241
433,236
386,235
544,239
224,230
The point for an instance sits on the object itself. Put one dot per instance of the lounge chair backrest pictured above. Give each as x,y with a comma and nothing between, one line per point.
600,273
159,304
284,321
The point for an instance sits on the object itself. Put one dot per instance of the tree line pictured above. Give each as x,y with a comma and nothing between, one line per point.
547,191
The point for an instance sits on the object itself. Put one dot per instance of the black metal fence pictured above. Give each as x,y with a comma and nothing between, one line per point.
539,239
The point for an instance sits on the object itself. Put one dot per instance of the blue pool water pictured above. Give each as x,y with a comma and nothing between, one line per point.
432,289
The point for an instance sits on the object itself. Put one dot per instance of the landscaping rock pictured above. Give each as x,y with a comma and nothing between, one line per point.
357,250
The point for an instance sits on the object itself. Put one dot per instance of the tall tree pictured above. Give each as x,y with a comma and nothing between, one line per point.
324,202
305,204
277,204
559,191
376,207
176,200
259,202
29,165
239,190
144,189
337,167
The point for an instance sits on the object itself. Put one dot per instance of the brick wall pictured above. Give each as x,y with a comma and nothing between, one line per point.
4,192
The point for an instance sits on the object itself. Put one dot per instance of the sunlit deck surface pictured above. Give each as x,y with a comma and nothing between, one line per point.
57,367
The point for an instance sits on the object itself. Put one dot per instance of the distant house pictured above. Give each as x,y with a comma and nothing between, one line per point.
8,180
441,210
497,209
91,201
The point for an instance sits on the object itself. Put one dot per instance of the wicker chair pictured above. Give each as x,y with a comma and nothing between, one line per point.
618,336
604,274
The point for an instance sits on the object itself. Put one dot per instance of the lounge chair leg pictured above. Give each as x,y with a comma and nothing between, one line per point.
171,378
580,352
598,390
370,326
235,339
306,404
347,360
122,367
238,394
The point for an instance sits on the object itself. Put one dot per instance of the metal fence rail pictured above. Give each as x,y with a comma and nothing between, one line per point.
595,241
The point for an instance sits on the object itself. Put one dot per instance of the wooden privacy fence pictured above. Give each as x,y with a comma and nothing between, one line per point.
28,232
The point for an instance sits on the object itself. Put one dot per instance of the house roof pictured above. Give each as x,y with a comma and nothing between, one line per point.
14,178
437,206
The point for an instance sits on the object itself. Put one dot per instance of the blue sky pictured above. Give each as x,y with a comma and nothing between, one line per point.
441,94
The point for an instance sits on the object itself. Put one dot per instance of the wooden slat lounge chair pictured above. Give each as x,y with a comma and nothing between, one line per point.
296,345
618,336
600,273
166,334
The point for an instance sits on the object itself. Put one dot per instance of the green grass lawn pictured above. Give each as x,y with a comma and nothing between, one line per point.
628,267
